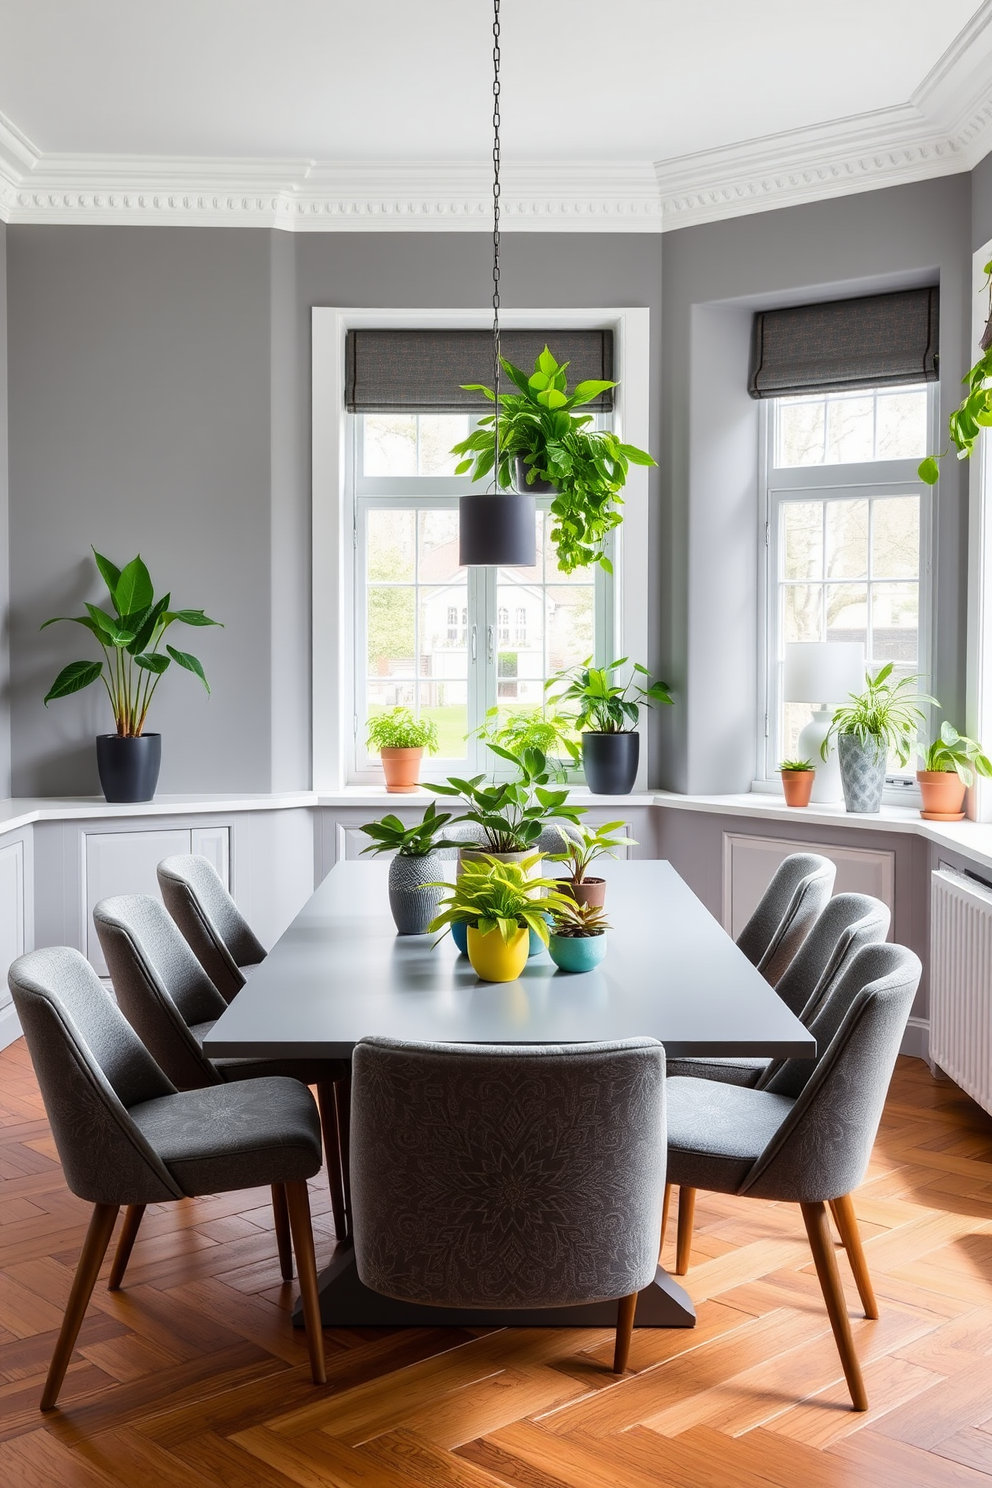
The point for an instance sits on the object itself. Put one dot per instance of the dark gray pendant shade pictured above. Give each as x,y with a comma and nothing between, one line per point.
498,530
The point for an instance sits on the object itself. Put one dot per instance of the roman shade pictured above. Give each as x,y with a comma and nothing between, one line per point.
876,341
421,370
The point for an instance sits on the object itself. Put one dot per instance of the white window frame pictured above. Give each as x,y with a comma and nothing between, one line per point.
978,702
333,530
864,479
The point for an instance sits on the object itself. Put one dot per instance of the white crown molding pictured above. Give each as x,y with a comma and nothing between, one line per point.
944,128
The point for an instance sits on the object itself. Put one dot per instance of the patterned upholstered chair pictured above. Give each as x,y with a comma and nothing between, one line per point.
125,1135
172,1004
214,927
499,1177
849,922
806,1138
787,911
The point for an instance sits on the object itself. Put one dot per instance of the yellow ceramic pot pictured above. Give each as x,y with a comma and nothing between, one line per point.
493,959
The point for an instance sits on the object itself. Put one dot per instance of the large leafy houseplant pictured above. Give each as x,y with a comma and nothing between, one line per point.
131,641
539,427
974,412
512,814
607,714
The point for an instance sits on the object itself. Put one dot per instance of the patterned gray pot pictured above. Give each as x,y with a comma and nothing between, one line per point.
413,904
862,772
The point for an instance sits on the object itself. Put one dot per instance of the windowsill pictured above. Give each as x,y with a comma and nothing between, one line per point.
377,795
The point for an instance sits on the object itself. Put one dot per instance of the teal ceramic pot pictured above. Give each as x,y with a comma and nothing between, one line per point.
459,934
577,952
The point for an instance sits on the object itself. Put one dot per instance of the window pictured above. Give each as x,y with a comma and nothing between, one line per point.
447,642
847,525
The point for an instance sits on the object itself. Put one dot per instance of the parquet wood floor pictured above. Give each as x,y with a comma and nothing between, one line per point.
192,1375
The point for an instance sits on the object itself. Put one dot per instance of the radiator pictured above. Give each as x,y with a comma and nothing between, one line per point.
961,982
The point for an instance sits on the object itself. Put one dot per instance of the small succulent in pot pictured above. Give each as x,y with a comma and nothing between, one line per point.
578,936
500,903
582,846
400,741
797,781
414,894
950,764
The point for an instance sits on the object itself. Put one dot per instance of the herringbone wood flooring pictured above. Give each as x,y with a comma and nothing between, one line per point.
193,1375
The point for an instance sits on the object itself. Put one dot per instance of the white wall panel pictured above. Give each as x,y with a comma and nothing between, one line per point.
123,863
750,862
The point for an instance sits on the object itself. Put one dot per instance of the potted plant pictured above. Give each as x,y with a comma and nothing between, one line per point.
607,716
886,716
582,847
550,448
578,936
510,814
414,894
534,728
400,741
500,903
133,665
797,781
947,773
974,412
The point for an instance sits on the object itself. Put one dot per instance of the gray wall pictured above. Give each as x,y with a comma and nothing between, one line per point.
981,203
714,276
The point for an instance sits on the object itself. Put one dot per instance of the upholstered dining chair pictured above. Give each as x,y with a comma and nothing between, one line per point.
504,1177
214,927
809,1146
172,1004
125,1135
800,887
849,922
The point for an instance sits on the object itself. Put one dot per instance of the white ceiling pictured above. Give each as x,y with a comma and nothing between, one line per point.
136,94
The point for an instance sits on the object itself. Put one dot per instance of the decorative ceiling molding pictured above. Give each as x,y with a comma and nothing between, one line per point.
944,128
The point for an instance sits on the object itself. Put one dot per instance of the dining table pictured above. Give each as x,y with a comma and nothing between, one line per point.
341,973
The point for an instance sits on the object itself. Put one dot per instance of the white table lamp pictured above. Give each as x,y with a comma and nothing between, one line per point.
822,673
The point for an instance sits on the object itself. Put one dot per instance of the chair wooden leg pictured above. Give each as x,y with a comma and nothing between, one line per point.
626,1308
342,1097
327,1105
298,1200
687,1210
847,1224
101,1227
825,1259
133,1215
666,1209
280,1213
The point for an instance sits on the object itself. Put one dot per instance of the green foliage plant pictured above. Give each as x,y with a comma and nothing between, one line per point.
578,921
131,640
796,765
587,467
398,729
512,813
586,844
974,412
390,835
888,713
533,728
604,706
956,752
491,895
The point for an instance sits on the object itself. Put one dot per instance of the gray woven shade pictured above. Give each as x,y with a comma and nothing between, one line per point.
409,371
876,341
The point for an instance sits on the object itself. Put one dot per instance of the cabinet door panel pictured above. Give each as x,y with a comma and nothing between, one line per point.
11,911
123,863
749,863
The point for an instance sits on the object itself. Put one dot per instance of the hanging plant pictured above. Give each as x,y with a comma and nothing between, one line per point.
974,412
552,446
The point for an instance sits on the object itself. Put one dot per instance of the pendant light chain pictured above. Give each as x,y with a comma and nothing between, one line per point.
496,191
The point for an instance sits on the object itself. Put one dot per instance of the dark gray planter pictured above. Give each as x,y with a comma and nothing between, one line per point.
536,487
610,762
498,529
412,903
862,772
128,767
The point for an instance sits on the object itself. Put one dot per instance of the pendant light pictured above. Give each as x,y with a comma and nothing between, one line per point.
499,528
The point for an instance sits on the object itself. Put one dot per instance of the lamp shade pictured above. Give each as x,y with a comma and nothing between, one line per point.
823,671
497,530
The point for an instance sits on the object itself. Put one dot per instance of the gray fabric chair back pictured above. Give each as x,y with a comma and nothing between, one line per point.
211,922
91,1067
848,922
507,1177
789,907
160,985
822,1148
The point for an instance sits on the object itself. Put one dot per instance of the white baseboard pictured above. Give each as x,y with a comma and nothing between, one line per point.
916,1039
10,1028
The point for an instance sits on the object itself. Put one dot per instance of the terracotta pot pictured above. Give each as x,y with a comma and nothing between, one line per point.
401,768
590,891
943,795
797,786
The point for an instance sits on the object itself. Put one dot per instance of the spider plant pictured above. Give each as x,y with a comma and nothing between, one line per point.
887,713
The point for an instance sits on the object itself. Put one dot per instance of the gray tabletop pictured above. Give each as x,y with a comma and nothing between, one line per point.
341,972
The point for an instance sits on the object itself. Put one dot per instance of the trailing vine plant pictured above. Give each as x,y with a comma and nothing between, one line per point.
974,412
